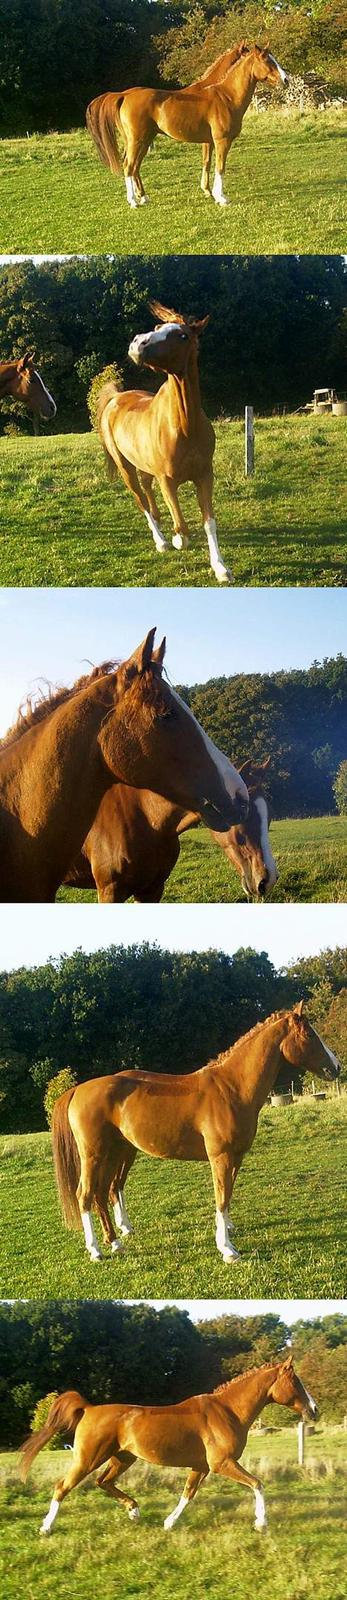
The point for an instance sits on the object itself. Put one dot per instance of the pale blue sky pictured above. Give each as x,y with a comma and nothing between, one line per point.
289,1310
31,936
54,633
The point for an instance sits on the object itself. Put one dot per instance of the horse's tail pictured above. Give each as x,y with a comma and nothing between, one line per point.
65,1412
108,392
101,118
66,1160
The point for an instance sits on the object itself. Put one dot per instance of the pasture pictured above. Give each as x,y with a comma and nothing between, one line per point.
310,852
96,1549
287,1212
284,179
62,522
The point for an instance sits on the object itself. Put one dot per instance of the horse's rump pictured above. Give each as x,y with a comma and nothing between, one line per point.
64,1414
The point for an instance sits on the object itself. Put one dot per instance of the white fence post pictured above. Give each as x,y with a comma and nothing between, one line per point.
301,1442
249,441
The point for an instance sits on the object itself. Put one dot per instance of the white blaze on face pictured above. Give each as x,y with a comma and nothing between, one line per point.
330,1053
310,1402
232,780
270,864
153,341
46,392
282,73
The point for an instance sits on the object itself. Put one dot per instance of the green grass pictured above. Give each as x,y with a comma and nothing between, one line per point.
213,1549
310,852
285,180
288,1217
63,523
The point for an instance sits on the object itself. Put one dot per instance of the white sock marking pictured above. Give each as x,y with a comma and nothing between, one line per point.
234,784
182,1503
283,75
270,864
328,1052
218,567
50,1518
260,1512
217,190
160,542
223,1240
90,1235
121,1218
131,192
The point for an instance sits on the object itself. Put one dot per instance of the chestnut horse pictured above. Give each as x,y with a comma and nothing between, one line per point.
102,114
207,1115
60,758
166,436
21,380
134,843
206,1433
210,114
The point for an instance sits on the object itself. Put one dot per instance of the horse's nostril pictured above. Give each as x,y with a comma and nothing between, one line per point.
262,886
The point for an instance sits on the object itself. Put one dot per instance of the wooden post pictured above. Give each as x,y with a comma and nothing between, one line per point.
301,1442
249,441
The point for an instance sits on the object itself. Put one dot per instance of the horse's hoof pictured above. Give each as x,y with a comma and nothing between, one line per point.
134,1514
45,1531
221,573
160,548
126,1230
260,1527
144,200
95,1254
180,541
222,201
116,1246
230,1255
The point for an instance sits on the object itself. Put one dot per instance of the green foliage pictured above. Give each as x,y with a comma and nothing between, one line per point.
39,1418
65,1079
110,374
340,788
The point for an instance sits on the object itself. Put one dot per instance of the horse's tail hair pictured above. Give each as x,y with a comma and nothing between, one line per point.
108,392
66,1160
101,118
65,1412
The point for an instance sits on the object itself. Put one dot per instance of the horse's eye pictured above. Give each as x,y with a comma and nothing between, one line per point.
184,336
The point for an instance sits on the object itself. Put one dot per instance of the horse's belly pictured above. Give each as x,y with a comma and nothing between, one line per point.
159,1128
182,123
161,1437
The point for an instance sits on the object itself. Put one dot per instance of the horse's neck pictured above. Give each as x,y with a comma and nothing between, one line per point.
219,68
53,777
253,1064
163,815
246,1400
240,83
7,372
184,396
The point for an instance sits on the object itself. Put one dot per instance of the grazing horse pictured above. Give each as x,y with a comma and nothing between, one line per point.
102,114
134,844
61,757
207,1115
210,114
166,436
21,380
206,1433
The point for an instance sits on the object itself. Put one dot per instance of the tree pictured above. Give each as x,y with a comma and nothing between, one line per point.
64,1080
340,788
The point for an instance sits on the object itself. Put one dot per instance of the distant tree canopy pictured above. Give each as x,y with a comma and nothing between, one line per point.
55,55
113,1351
277,326
143,1007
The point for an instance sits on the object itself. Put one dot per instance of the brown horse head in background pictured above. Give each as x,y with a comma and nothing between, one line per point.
20,379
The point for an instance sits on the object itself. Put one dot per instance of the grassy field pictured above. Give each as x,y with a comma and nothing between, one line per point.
284,178
288,1216
311,855
63,523
96,1550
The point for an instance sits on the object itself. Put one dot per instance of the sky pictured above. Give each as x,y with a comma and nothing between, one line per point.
289,1310
54,634
32,935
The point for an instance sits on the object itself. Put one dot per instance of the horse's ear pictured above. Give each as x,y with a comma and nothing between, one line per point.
298,1010
24,361
288,1362
158,655
200,324
142,657
163,313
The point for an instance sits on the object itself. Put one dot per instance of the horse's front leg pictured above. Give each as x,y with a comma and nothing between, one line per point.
221,150
180,538
192,1483
206,169
204,489
223,1177
227,1468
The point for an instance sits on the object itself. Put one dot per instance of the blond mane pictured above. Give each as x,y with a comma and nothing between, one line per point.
33,711
244,1037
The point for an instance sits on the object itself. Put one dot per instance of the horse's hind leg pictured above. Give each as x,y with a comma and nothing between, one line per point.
106,1479
86,1194
61,1489
132,481
206,169
180,537
116,1194
191,1486
221,150
204,489
136,150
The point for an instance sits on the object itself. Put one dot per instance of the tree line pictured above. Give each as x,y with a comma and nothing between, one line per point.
269,316
55,55
149,1008
115,1351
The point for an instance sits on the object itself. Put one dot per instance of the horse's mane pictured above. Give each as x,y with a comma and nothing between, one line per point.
252,1032
33,711
267,1366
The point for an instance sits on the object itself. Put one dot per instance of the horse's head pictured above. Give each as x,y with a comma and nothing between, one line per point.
248,844
169,347
287,1390
150,738
29,387
266,69
303,1048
